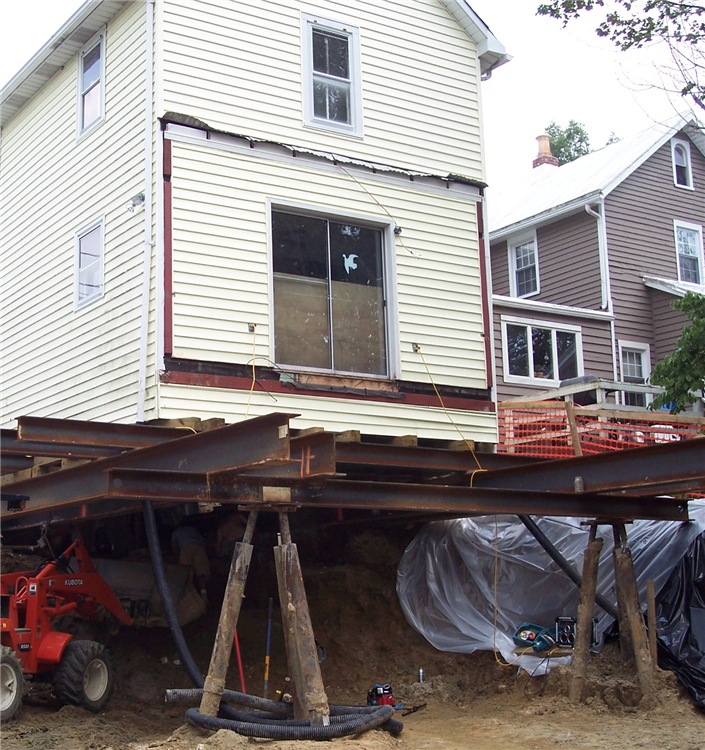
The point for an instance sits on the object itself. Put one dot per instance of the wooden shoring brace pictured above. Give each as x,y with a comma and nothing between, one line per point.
632,630
229,614
586,608
310,699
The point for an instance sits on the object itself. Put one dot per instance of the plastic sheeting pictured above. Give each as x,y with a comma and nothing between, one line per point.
460,578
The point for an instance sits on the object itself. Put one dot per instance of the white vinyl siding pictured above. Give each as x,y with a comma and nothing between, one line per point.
238,67
222,265
56,362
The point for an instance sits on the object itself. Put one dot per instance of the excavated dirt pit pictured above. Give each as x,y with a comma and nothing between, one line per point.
472,700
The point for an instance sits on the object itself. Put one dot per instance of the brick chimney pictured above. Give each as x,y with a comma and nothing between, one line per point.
545,156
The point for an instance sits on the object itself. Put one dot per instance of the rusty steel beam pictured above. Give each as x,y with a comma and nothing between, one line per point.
11,445
244,443
10,464
94,434
310,455
681,464
341,493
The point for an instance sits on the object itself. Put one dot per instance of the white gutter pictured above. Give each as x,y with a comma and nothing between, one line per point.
148,212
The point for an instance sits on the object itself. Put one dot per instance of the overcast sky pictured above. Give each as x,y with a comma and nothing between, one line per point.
556,74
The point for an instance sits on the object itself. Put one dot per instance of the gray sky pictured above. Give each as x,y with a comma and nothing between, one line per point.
556,74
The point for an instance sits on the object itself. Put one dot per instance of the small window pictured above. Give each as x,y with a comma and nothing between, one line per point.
329,294
689,247
91,67
635,362
540,352
89,263
682,173
524,268
332,98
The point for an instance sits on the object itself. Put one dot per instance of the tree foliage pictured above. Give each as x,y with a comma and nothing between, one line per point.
570,143
632,24
683,373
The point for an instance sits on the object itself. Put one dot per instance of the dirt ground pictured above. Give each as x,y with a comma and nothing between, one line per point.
472,700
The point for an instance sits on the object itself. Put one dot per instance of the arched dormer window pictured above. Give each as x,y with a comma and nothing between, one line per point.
682,173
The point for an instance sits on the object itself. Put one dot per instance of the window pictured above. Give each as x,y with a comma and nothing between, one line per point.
329,294
91,69
89,263
682,173
540,352
635,360
332,97
524,269
689,247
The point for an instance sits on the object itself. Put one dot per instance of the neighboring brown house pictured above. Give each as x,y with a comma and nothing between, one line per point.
587,257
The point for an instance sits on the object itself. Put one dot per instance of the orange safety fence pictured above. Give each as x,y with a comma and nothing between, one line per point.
550,429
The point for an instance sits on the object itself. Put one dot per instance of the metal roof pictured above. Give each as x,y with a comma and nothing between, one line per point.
547,191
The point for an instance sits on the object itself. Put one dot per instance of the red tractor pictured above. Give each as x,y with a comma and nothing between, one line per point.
81,671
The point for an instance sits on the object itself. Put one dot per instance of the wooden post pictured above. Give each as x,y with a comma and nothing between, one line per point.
586,608
229,614
625,634
574,435
651,620
630,615
310,700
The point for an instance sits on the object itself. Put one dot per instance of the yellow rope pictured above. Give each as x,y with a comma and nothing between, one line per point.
254,357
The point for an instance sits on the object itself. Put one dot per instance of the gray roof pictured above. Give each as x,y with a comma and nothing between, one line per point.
549,191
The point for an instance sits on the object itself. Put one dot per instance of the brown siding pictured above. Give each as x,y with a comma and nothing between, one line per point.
668,324
640,214
569,262
597,349
500,268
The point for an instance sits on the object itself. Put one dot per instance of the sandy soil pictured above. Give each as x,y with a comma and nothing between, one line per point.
472,701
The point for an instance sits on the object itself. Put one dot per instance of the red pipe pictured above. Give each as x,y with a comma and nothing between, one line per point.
239,663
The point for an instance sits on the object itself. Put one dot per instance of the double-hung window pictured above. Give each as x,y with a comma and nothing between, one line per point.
91,75
682,171
329,294
524,267
635,361
89,263
332,95
689,248
540,352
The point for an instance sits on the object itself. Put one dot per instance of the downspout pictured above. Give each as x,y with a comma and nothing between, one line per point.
605,286
148,213
159,172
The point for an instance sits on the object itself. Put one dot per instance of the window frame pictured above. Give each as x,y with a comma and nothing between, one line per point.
512,245
81,128
645,350
554,328
308,24
698,229
99,223
685,144
390,307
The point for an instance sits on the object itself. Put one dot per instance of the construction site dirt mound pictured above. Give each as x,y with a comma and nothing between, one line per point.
472,700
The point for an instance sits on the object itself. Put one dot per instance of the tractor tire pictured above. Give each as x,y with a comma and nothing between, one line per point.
11,683
84,676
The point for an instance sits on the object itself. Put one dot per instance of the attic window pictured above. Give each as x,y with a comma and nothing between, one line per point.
91,74
332,98
524,267
682,172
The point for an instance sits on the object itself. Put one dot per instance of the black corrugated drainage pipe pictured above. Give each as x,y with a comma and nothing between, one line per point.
271,719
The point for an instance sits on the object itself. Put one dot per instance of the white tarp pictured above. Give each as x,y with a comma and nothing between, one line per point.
446,578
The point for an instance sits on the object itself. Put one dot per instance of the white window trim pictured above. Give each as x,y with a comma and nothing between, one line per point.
545,382
80,129
512,243
353,33
697,228
391,318
82,232
686,145
645,349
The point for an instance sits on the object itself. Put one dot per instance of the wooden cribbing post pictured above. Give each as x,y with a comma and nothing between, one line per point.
586,606
632,630
310,700
651,619
229,614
